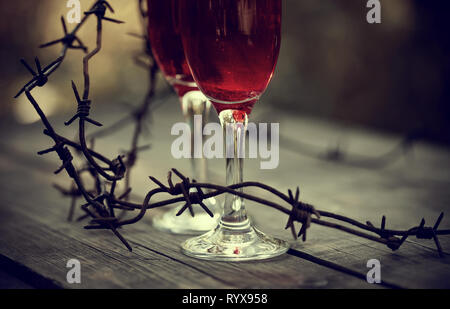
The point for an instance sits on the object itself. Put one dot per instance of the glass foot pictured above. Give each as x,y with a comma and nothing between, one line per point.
186,224
234,243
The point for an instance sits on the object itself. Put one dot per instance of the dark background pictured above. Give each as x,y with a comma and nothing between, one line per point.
392,76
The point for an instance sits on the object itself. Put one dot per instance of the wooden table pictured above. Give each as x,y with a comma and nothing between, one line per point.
37,241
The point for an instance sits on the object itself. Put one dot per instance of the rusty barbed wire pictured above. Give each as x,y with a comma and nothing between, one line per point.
101,202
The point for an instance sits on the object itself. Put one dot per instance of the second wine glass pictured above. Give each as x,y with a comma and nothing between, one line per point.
168,51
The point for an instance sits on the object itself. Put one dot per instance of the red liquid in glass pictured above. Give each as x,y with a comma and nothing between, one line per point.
167,47
232,47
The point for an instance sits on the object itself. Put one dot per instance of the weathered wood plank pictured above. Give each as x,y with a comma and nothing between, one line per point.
407,190
285,272
413,266
410,188
105,264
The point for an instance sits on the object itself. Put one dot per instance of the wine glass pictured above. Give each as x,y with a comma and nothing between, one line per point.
232,47
168,52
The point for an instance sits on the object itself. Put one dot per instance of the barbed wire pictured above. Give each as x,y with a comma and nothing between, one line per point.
102,201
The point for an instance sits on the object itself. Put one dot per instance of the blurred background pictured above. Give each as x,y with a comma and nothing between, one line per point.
392,76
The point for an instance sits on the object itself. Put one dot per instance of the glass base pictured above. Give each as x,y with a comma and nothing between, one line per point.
234,244
185,224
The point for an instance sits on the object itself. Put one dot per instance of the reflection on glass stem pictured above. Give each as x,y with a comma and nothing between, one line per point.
194,103
234,123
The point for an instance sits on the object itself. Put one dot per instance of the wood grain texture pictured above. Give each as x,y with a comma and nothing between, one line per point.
36,236
156,261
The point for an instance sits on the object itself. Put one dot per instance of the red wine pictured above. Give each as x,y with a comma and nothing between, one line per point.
167,47
232,47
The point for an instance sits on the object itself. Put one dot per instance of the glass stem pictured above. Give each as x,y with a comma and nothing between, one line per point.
234,124
196,108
